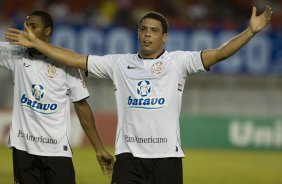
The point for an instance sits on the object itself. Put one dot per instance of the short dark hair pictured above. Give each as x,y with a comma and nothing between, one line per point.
45,17
157,16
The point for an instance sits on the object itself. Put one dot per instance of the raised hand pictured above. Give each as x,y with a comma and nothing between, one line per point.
23,38
257,23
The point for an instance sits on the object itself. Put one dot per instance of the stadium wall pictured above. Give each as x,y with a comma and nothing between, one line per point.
196,131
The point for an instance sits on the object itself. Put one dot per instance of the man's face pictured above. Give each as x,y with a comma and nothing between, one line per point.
151,38
36,25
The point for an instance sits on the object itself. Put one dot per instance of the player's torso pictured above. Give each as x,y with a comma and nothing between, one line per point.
41,111
40,84
148,94
149,83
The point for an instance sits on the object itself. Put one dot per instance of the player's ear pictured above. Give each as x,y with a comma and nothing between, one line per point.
48,31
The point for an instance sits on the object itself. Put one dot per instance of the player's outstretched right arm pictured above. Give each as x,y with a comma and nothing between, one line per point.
61,55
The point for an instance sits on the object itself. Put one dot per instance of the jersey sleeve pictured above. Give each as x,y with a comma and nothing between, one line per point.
9,54
188,62
76,86
102,66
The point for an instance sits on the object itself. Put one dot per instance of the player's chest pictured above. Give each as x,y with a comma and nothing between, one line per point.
155,71
42,70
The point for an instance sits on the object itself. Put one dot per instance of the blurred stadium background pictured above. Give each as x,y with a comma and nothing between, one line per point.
235,108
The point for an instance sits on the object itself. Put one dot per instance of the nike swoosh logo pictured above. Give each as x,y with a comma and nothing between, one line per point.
26,65
131,67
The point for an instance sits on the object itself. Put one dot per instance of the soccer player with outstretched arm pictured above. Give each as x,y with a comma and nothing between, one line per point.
40,129
148,89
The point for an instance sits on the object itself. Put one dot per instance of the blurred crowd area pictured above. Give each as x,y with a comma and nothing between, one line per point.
211,14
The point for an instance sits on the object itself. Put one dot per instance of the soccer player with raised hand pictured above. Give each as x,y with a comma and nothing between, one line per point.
148,89
40,129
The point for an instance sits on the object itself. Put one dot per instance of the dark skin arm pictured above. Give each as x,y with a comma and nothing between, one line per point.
58,54
87,122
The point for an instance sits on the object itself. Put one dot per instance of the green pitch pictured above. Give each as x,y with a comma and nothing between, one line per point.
200,167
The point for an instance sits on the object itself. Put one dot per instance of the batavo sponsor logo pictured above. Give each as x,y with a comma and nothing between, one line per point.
144,89
44,108
35,103
146,103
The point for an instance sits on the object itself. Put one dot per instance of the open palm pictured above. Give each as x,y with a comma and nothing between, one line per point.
257,23
24,38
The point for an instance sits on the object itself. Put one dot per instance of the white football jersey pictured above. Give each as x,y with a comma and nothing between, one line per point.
148,95
41,106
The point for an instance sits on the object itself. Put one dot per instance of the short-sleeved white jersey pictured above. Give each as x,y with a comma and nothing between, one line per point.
148,95
41,106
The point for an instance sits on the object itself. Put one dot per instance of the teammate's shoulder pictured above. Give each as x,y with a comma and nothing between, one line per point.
176,52
170,54
15,49
3,42
7,44
181,52
123,56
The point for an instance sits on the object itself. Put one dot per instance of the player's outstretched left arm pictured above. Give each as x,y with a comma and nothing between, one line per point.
257,23
86,118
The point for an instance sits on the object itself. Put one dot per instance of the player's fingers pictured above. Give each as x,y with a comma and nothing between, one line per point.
254,12
104,170
26,28
11,37
108,168
11,34
102,166
107,172
106,164
13,30
268,12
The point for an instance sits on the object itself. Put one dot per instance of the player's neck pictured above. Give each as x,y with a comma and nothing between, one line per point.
156,57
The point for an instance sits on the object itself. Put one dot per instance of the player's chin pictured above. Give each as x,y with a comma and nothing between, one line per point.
146,49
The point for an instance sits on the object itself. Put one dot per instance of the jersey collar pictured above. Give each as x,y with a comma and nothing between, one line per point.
140,57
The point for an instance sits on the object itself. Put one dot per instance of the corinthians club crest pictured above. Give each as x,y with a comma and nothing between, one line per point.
51,71
157,67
